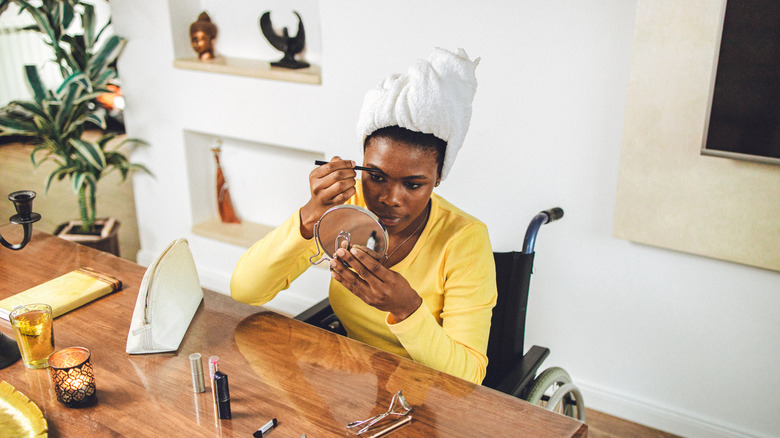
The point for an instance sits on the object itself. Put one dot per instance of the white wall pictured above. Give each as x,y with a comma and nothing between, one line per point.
679,342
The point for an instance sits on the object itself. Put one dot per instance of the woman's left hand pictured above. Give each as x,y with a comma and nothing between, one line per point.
373,283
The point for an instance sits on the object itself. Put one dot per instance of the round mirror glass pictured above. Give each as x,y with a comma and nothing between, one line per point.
347,226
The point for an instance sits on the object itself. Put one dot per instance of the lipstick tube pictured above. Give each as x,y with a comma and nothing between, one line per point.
222,395
196,369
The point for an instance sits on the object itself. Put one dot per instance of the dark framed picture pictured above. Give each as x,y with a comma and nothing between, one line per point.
744,117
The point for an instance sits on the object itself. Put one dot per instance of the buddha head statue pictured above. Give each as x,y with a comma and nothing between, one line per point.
202,35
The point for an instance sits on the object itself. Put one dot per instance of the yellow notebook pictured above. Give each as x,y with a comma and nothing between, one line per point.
65,292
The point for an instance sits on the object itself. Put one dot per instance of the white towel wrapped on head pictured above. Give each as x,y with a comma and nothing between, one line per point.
433,97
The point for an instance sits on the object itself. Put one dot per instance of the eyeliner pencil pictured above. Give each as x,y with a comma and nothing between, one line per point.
366,169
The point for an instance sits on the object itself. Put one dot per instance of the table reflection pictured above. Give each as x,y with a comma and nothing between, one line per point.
321,374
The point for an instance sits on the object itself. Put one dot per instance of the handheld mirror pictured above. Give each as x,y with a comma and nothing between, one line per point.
345,226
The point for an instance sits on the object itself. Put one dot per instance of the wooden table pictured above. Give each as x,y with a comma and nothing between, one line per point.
314,382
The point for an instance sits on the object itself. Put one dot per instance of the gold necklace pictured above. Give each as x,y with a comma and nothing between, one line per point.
428,211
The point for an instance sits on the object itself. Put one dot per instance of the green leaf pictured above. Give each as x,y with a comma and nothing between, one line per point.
34,79
133,141
45,126
88,21
39,118
3,5
90,152
30,106
84,179
89,96
115,158
97,119
104,140
13,126
50,107
107,54
79,121
105,26
76,78
44,26
78,181
92,181
66,111
67,14
35,151
48,181
60,173
125,168
69,61
140,168
103,79
54,14
77,56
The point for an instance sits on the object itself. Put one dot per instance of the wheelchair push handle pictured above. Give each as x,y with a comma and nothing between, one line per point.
541,218
553,214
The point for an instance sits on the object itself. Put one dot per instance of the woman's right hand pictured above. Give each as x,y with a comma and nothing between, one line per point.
330,184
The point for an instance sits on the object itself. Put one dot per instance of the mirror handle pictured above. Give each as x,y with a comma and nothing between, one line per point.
317,242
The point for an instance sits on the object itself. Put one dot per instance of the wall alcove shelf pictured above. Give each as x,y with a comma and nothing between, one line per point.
254,172
252,68
244,234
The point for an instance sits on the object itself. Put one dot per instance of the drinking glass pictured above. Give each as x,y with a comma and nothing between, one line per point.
34,333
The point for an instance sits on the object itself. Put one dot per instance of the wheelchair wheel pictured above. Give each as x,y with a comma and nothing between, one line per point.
554,391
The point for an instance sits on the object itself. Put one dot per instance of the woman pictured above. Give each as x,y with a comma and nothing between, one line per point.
431,297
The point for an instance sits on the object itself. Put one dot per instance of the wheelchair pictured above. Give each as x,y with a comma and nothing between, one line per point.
509,369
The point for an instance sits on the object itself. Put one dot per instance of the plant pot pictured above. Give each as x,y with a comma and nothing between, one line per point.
107,240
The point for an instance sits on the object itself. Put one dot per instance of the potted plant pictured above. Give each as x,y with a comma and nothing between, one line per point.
55,120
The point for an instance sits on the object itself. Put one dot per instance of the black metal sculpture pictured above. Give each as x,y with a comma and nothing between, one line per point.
25,217
291,46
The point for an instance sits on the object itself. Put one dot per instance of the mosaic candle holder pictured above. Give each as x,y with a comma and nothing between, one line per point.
73,377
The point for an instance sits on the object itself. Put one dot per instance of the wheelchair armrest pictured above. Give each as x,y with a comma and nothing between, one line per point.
524,372
316,312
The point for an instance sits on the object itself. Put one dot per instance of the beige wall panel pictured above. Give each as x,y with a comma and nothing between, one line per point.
669,195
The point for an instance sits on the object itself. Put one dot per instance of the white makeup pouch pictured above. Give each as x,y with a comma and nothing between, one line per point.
168,298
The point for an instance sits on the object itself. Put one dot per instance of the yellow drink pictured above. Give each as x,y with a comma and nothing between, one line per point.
34,334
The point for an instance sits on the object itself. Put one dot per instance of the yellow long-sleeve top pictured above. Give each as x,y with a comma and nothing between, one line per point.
451,267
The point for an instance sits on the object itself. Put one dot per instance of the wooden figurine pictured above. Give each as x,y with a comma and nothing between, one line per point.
202,35
225,206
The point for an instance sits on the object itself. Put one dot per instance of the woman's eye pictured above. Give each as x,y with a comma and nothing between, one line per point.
376,177
413,186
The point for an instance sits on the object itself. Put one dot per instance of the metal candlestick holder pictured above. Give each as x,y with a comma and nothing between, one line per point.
25,217
9,351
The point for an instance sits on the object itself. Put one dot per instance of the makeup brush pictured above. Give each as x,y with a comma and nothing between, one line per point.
366,169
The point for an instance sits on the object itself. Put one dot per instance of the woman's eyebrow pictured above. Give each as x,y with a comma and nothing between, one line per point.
370,168
415,177
374,169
